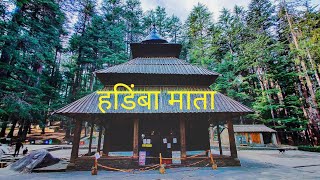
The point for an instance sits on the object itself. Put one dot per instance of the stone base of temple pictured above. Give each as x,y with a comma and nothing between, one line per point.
86,163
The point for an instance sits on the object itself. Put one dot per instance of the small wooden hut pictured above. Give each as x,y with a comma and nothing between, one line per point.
155,65
251,135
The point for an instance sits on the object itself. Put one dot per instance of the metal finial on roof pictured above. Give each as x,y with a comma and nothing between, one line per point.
154,37
154,27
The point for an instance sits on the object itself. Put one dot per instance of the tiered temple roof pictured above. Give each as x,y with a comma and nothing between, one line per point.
155,66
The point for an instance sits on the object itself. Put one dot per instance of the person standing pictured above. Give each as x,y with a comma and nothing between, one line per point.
18,146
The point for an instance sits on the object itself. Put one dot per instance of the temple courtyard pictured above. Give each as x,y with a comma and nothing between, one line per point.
256,164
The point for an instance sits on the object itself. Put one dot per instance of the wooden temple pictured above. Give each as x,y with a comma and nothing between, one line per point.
155,65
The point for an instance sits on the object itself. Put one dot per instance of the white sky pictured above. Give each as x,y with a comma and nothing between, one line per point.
182,8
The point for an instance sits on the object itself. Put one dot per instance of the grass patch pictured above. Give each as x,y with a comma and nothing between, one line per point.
309,148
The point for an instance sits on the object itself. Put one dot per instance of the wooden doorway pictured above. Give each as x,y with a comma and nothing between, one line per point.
159,135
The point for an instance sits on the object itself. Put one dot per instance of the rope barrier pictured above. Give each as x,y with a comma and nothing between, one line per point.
150,167
161,166
195,163
115,169
153,168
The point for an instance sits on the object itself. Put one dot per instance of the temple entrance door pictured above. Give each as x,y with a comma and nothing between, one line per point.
159,136
169,142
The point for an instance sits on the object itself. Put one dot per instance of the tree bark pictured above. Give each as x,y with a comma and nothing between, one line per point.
14,123
29,132
302,62
264,87
3,128
25,130
21,128
315,135
68,130
313,66
43,130
76,141
298,89
281,97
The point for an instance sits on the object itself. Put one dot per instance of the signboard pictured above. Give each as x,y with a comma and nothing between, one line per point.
142,158
176,155
164,140
146,145
97,155
174,140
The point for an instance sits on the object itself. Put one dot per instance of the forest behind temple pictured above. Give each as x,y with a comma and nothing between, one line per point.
268,56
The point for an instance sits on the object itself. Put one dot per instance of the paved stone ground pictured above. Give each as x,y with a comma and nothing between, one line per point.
267,164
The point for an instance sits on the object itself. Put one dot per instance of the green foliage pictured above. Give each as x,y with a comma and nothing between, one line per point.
29,75
199,35
48,61
309,148
169,27
252,53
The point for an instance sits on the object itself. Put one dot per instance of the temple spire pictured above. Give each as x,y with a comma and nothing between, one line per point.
154,37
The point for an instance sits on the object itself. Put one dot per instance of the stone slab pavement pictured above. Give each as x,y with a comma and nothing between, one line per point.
264,164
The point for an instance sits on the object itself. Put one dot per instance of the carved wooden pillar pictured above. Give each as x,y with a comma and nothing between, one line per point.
106,139
219,138
183,136
76,141
136,138
90,140
233,148
99,139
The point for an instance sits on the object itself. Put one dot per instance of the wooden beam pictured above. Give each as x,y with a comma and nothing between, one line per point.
135,138
90,140
219,138
183,137
232,142
99,139
76,141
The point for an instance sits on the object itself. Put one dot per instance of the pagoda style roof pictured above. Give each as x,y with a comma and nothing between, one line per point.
152,71
155,49
155,46
157,65
89,104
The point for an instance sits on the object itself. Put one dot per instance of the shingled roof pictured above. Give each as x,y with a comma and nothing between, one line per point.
252,128
89,104
157,65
